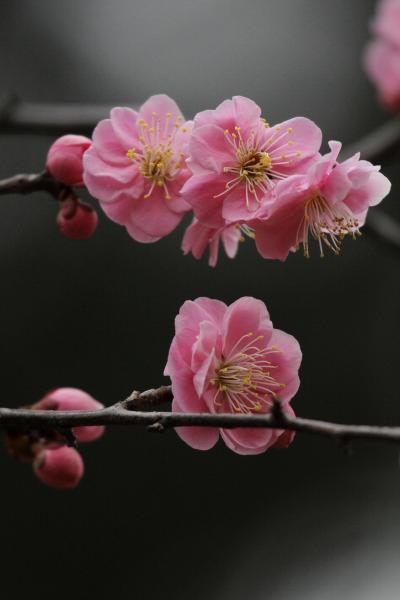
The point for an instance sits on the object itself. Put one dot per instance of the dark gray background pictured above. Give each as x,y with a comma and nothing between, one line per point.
153,518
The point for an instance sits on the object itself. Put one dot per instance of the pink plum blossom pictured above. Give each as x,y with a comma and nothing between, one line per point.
382,55
136,167
382,63
60,468
64,159
198,236
329,202
237,158
386,23
230,359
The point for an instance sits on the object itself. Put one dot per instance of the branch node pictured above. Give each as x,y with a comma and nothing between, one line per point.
157,427
131,402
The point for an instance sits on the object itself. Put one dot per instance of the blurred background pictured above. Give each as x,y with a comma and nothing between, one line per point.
152,518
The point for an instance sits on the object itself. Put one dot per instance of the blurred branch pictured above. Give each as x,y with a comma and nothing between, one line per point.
127,413
18,117
377,145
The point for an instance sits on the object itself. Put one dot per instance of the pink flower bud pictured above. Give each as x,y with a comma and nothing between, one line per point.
61,468
69,398
76,219
64,159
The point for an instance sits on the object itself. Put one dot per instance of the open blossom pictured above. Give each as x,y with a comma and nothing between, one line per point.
382,63
329,202
136,167
230,359
198,236
386,23
382,56
237,158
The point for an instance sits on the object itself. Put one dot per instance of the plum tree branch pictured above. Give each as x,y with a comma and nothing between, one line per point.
132,411
29,183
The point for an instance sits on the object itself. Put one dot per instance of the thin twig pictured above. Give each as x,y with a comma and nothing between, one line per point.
122,413
29,183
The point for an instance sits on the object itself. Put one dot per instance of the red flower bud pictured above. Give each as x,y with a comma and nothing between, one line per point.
69,398
64,159
76,219
61,468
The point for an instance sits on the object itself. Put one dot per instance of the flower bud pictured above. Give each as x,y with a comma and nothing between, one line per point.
61,468
76,219
69,398
64,159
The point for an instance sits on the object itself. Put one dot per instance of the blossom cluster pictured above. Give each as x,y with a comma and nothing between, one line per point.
55,463
239,176
382,56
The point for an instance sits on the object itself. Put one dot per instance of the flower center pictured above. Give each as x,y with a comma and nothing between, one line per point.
327,224
157,159
243,380
258,162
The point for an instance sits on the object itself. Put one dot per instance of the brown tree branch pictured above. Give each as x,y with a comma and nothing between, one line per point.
126,413
34,182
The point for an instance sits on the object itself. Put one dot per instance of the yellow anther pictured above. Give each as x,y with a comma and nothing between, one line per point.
154,114
257,407
131,153
290,143
226,132
298,153
241,239
283,157
151,130
184,129
237,128
168,115
277,128
289,129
